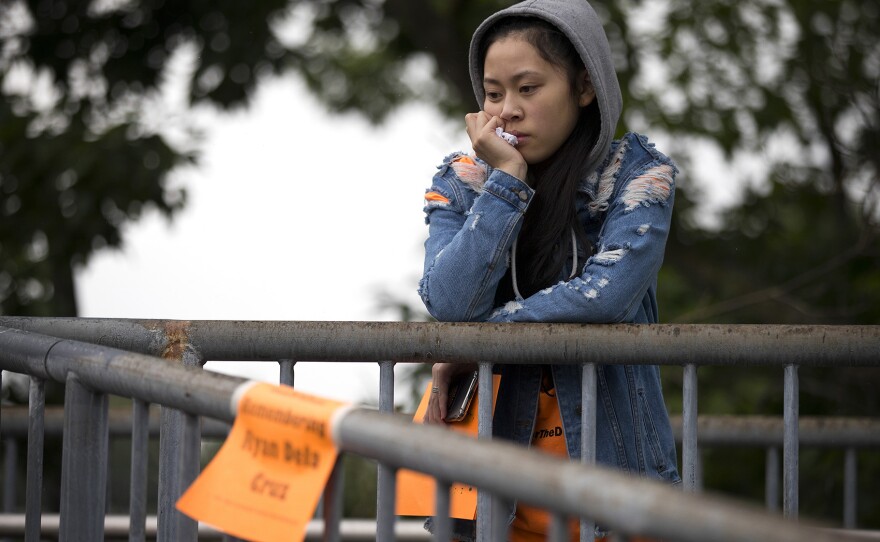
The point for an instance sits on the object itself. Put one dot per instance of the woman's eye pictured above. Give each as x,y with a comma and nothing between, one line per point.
527,89
494,96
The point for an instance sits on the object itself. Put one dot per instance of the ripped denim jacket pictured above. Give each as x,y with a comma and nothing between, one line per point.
474,214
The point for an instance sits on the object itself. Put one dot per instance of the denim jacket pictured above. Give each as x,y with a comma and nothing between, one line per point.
474,214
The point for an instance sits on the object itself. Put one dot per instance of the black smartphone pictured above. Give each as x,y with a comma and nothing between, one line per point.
461,393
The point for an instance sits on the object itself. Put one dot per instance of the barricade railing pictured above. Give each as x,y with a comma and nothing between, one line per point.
194,343
844,433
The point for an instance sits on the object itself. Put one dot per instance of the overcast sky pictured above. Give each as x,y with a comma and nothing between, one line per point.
292,214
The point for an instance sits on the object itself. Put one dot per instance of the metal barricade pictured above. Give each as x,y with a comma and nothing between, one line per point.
86,373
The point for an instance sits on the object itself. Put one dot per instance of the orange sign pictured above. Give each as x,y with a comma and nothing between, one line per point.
417,492
266,480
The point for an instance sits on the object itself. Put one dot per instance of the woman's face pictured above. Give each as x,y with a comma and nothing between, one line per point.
532,96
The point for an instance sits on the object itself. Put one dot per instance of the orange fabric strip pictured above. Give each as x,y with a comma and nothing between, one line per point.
434,196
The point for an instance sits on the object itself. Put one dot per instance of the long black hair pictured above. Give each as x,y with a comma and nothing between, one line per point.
544,244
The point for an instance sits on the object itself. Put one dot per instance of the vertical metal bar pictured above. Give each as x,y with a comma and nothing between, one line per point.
140,451
850,488
34,490
191,452
170,436
442,522
10,450
559,528
499,521
699,469
179,447
689,429
386,510
484,431
771,479
332,511
10,470
386,482
192,449
286,372
588,436
83,462
109,482
386,386
790,444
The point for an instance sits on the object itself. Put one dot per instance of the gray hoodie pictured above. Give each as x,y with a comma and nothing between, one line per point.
577,20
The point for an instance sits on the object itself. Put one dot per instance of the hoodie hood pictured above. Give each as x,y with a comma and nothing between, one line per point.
577,20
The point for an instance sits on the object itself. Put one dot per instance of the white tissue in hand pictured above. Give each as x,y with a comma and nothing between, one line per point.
510,138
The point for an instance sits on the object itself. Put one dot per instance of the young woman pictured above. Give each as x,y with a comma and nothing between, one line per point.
565,226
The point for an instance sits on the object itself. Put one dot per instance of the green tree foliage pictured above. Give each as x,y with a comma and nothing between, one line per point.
794,85
788,87
82,151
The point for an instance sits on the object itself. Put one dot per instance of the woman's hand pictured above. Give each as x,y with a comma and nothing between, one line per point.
442,375
492,149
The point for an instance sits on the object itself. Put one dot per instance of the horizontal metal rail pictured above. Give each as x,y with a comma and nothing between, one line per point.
767,431
117,372
120,421
351,530
651,509
118,527
658,344
713,430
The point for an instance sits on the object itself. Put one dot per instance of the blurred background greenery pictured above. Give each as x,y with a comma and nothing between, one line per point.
782,95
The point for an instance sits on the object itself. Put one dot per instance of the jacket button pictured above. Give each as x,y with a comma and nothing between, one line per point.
523,196
577,410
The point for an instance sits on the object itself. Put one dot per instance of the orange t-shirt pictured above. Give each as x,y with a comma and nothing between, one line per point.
532,524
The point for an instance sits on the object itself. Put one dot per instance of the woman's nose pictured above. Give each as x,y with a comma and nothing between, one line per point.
511,110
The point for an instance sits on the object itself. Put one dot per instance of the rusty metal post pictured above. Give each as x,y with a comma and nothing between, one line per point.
179,445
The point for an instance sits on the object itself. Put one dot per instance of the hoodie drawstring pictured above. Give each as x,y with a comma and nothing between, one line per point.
574,263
